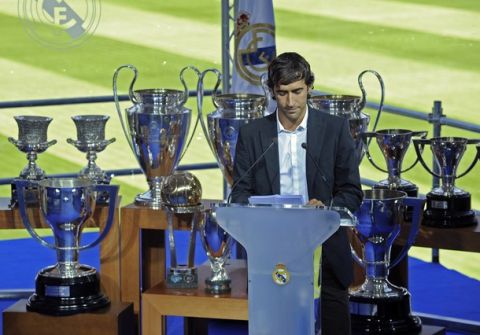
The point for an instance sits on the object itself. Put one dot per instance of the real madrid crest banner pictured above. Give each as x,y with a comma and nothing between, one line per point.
254,44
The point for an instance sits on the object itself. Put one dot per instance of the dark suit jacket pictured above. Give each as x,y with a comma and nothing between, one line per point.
330,144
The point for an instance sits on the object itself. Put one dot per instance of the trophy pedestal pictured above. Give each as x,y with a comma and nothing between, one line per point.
383,316
449,212
146,200
182,277
67,296
217,286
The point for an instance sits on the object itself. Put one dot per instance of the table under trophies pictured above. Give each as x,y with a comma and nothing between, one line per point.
350,107
377,306
32,140
156,130
66,205
447,205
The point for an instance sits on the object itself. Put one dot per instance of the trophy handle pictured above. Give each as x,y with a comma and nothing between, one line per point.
110,141
266,90
417,205
71,141
130,94
419,145
364,94
13,141
50,143
364,136
477,157
423,135
356,258
200,93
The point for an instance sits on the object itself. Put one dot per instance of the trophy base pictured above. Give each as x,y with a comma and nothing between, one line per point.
407,187
182,277
449,212
217,286
145,200
67,296
383,316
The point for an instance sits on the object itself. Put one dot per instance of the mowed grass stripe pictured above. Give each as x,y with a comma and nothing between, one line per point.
469,5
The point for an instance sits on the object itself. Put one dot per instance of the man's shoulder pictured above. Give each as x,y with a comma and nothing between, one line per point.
330,119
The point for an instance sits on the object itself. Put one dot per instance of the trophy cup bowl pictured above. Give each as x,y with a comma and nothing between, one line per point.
156,129
447,205
217,243
377,306
350,107
90,140
181,193
66,204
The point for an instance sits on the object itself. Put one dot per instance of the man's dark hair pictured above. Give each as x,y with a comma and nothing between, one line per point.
288,68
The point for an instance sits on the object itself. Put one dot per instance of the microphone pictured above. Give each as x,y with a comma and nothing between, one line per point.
304,146
274,140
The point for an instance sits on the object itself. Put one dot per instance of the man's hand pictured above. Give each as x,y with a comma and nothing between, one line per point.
315,202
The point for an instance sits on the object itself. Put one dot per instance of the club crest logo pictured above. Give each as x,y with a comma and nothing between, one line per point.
59,23
280,274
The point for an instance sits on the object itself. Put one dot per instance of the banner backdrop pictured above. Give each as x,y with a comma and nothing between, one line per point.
254,44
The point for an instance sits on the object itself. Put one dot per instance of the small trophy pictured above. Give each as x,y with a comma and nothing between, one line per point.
181,194
378,307
447,205
66,204
217,243
350,107
394,144
32,140
90,140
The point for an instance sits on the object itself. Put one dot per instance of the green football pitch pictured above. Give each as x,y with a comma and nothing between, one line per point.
425,50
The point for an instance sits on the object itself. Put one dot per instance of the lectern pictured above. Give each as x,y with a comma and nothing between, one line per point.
280,241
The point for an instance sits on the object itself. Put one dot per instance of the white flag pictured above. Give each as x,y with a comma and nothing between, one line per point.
254,44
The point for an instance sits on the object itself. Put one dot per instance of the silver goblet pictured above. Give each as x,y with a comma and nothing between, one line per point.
66,204
91,140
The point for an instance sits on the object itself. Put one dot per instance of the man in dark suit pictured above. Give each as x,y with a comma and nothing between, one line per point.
310,153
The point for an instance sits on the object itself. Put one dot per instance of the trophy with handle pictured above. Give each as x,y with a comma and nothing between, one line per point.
156,129
32,140
91,140
447,206
182,194
377,306
66,205
350,107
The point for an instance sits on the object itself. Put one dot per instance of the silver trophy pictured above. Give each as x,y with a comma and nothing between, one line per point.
182,194
66,204
394,144
378,307
233,111
447,205
158,125
91,140
350,107
217,243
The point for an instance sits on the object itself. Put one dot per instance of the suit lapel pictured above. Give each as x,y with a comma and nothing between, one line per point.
271,157
316,130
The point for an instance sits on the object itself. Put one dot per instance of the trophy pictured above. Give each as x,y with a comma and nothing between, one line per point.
158,125
394,144
32,140
66,204
378,307
217,243
350,107
90,140
232,111
181,194
447,205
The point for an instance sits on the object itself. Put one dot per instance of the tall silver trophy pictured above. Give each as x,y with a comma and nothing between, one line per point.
350,107
91,140
66,204
156,128
32,140
378,307
447,206
182,194
394,144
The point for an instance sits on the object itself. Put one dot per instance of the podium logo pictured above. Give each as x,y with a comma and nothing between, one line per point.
59,23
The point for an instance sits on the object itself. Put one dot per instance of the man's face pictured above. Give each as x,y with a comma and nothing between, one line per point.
291,103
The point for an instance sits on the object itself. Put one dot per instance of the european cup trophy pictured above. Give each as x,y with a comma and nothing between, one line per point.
156,129
378,307
66,204
182,194
350,107
32,140
447,206
91,140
